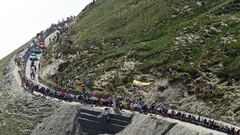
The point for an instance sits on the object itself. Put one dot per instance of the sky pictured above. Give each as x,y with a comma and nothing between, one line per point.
20,20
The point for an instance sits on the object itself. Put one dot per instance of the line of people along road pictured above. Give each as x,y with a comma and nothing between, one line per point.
118,102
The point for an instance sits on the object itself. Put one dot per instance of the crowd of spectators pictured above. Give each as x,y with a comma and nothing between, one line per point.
138,104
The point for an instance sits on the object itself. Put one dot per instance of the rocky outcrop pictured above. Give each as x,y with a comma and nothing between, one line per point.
59,123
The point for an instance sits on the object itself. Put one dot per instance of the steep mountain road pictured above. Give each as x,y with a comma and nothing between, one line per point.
197,128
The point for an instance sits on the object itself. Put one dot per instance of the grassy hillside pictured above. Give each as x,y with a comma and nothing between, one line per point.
4,62
190,44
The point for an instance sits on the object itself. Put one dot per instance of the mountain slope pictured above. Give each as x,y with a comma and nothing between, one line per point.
183,47
20,112
189,47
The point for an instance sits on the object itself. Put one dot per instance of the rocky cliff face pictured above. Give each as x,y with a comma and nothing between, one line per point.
60,122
